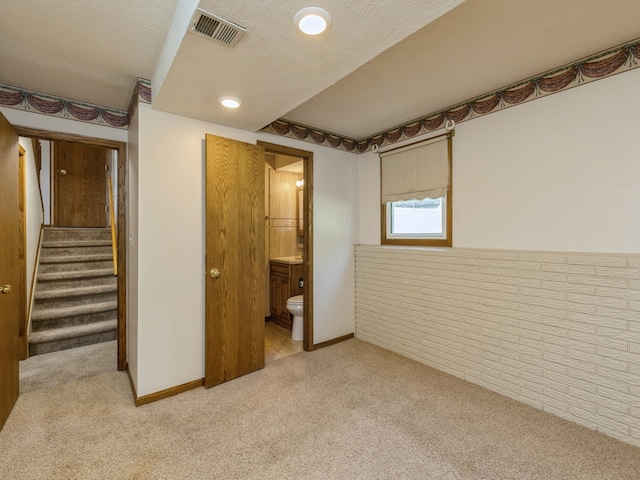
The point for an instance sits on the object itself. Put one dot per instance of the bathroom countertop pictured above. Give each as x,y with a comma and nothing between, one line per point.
287,260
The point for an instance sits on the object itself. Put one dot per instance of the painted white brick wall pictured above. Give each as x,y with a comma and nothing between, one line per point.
558,331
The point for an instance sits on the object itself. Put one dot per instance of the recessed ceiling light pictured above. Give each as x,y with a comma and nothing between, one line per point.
312,20
230,102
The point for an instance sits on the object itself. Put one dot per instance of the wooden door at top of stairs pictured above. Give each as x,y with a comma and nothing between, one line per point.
234,298
11,290
80,185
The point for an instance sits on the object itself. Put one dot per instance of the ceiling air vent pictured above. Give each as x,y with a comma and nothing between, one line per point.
216,28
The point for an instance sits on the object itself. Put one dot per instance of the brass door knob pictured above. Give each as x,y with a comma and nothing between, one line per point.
63,172
214,272
5,289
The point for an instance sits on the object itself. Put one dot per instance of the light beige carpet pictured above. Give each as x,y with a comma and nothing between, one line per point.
350,411
46,371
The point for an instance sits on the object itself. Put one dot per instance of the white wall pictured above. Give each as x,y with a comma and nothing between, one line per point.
33,212
558,173
132,247
335,230
170,244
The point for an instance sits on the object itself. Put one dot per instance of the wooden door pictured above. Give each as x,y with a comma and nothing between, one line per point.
80,197
234,301
10,288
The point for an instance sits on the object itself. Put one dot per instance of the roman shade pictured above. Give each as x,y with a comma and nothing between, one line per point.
417,171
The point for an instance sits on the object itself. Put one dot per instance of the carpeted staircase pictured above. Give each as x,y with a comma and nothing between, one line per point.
76,294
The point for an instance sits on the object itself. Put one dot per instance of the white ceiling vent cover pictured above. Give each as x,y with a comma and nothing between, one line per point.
216,28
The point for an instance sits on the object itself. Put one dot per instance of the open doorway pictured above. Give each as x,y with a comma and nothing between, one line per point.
288,252
74,281
58,208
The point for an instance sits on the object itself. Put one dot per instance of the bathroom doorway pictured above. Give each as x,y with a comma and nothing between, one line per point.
288,247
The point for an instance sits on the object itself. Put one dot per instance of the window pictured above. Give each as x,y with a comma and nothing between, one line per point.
416,194
417,218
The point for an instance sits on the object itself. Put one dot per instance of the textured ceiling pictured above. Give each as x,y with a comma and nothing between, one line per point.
87,50
482,45
380,65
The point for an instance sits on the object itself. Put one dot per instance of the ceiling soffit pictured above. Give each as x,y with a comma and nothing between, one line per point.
274,68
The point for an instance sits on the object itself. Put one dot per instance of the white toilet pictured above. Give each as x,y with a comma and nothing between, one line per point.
294,305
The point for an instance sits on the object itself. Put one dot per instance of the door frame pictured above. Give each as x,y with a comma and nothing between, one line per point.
22,254
307,241
121,148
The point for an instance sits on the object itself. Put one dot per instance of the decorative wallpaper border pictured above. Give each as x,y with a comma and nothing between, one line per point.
141,93
144,90
610,62
285,128
30,101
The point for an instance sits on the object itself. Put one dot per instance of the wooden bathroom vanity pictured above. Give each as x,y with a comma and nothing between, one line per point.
285,273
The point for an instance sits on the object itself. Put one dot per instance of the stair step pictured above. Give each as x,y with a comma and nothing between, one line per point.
75,267
71,332
53,323
76,243
76,299
103,272
76,291
76,258
74,251
56,234
47,304
70,337
73,311
76,282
